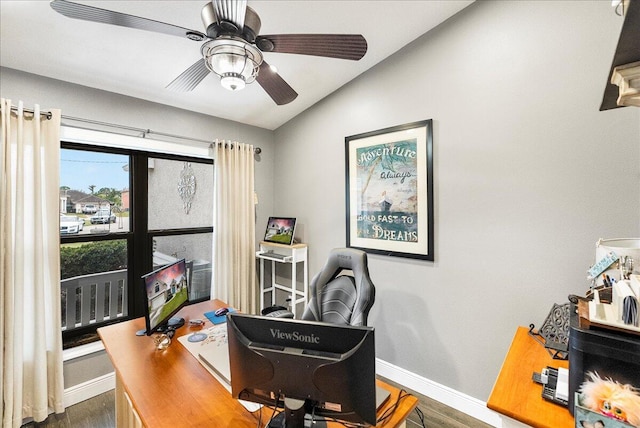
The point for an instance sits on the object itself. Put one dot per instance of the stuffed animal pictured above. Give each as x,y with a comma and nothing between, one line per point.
596,424
611,398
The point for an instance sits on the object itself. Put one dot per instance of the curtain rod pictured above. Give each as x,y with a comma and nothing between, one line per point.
46,114
256,150
144,132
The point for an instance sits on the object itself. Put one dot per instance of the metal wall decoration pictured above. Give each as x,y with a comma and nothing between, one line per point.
187,186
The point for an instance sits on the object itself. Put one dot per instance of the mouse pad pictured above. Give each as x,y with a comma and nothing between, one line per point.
211,316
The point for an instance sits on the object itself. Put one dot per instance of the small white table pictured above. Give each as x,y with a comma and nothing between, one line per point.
286,254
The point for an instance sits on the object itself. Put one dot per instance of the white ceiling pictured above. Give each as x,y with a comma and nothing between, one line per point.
36,39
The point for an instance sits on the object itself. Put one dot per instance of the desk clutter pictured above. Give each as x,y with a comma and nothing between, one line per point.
555,384
554,333
604,340
601,388
606,403
599,334
614,297
604,376
212,352
613,306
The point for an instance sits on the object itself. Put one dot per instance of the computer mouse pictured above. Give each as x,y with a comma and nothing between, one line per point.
221,312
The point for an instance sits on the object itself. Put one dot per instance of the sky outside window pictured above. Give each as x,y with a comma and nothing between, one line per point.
81,169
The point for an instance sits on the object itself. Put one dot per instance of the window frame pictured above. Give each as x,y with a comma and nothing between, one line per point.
139,238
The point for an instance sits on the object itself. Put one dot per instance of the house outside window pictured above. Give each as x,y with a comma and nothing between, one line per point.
125,213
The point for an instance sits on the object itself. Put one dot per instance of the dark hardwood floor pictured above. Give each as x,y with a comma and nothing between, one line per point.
438,415
99,412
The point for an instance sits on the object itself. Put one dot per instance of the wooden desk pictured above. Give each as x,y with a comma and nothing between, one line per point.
517,396
170,388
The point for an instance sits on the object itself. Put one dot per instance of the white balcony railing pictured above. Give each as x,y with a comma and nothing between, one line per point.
93,298
98,297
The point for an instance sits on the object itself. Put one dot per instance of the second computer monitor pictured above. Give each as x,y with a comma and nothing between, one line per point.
280,230
166,290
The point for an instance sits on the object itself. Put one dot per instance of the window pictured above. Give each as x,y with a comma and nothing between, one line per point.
94,192
124,213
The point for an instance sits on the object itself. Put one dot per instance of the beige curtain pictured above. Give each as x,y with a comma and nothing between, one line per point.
30,326
234,242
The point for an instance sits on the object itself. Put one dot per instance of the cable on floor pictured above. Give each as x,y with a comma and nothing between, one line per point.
421,417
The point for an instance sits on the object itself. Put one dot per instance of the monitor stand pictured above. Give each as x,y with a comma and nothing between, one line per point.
295,416
173,324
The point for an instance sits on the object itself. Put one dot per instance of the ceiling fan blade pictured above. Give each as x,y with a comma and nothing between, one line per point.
231,10
104,16
343,46
275,86
190,78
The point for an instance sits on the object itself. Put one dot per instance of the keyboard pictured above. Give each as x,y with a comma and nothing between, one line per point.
272,255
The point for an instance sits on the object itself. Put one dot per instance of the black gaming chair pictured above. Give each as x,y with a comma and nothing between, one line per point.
341,299
335,298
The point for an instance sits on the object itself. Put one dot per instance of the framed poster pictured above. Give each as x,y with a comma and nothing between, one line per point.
389,191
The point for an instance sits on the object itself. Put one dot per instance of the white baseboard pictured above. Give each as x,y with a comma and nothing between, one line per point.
82,350
445,395
89,389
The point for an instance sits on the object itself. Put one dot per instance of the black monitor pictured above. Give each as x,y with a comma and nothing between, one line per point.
166,290
312,369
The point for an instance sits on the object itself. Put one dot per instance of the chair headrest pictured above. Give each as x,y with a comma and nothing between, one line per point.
345,259
341,259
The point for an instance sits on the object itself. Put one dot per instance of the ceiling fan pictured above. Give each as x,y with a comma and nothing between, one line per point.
232,48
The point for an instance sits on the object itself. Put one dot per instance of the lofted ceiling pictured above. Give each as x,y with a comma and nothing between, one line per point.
36,39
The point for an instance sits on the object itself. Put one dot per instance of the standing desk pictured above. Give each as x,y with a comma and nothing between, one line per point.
517,396
170,388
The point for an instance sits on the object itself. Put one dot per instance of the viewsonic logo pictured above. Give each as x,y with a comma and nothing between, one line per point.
295,336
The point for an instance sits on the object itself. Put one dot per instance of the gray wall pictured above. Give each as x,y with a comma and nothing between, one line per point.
528,175
88,103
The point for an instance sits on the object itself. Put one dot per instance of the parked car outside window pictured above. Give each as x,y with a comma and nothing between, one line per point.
70,224
102,217
89,209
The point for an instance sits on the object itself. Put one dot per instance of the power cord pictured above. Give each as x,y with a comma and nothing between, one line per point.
259,422
275,409
391,410
421,417
347,424
381,420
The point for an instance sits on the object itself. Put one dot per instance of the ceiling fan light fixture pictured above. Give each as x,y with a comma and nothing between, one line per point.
234,60
232,82
233,48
